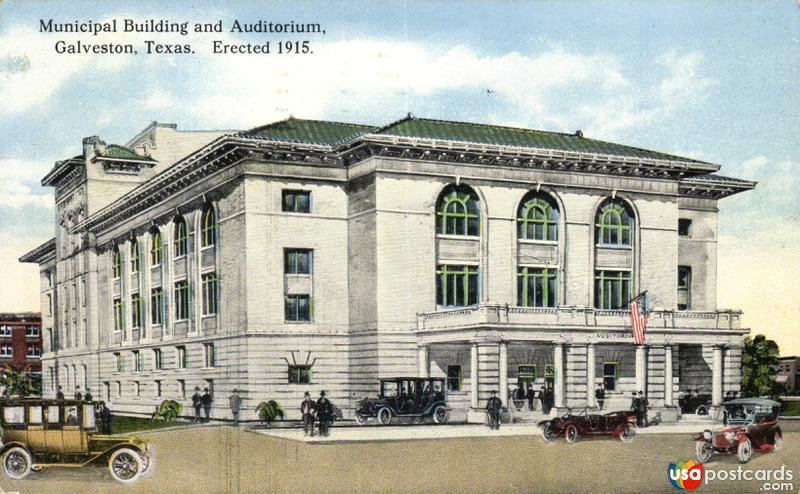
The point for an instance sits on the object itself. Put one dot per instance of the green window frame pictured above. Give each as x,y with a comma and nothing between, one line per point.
526,374
136,311
135,257
457,286
157,306
119,315
299,374
209,237
117,263
612,289
298,261
296,201
538,219
615,224
458,212
210,293
181,237
182,305
156,248
549,371
537,287
298,308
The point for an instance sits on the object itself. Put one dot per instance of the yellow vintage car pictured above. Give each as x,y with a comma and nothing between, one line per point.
42,433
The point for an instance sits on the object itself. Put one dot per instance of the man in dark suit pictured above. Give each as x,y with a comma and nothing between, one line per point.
78,395
530,395
600,395
643,403
88,396
635,408
545,400
60,393
324,413
307,408
493,406
206,400
197,404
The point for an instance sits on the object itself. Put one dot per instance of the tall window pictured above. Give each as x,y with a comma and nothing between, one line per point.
299,374
298,261
684,227
458,212
298,308
157,306
456,286
181,236
182,300
684,287
209,355
158,362
137,361
454,378
296,201
180,357
610,375
612,289
209,227
116,262
156,248
615,224
210,293
119,315
135,260
538,218
118,362
136,310
537,287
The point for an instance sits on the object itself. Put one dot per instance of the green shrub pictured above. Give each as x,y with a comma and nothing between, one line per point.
269,411
168,410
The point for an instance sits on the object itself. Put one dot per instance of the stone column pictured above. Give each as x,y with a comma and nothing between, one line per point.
422,357
716,377
473,376
590,367
641,368
503,373
559,379
668,375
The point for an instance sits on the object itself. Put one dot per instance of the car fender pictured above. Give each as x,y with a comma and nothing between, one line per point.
6,446
741,436
778,432
430,408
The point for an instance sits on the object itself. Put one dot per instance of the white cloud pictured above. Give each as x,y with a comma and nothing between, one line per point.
20,185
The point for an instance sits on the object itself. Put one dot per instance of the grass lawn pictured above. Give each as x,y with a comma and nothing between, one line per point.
791,408
122,424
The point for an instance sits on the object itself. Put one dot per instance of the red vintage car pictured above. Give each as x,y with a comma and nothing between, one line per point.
747,425
621,425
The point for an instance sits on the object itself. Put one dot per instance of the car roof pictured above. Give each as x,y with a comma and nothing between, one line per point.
753,401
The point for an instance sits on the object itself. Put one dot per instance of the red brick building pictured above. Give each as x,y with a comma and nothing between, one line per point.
21,341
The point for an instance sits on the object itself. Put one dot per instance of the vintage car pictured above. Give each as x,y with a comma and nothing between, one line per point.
746,425
415,399
699,404
621,425
42,433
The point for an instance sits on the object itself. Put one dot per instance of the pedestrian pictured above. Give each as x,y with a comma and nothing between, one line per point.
728,396
236,405
59,393
493,407
78,395
307,409
88,396
545,400
643,404
530,395
206,400
197,404
324,413
600,395
104,418
635,408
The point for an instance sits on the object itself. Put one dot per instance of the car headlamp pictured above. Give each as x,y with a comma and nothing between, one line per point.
730,436
707,435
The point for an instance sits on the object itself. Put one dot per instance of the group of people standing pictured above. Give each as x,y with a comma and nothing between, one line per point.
78,395
544,396
320,411
639,406
203,402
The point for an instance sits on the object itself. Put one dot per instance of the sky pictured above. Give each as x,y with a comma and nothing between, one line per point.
716,81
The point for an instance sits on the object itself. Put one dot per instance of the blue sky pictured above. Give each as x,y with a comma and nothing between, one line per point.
712,80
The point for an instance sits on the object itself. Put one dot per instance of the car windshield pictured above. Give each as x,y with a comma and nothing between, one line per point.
736,414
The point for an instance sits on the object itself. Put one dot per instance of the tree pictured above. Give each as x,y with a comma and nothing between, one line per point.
759,366
20,383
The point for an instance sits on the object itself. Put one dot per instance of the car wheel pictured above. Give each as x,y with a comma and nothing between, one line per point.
701,410
416,420
125,465
384,416
548,434
17,463
745,451
571,433
440,414
703,451
361,419
626,434
148,463
778,445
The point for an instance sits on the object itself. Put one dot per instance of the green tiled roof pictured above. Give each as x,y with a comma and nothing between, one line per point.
512,136
308,131
113,151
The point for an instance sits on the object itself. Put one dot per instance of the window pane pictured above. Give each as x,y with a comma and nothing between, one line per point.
14,415
304,202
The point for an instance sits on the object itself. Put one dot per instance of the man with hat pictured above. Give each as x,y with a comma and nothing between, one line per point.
324,413
493,406
236,405
307,408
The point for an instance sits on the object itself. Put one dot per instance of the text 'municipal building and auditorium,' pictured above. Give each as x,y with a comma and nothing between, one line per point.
310,255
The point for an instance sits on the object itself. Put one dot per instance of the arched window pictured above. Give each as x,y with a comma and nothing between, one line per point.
135,264
209,227
181,236
116,262
458,212
156,247
538,217
615,223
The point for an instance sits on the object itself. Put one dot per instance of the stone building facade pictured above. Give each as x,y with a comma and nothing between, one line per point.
308,255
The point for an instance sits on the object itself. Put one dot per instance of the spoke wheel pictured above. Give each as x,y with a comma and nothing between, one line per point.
416,420
548,434
125,465
17,463
440,414
385,416
778,443
361,419
627,434
701,410
703,451
745,451
571,434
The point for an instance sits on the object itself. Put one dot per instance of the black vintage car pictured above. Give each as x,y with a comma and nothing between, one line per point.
695,403
620,425
415,399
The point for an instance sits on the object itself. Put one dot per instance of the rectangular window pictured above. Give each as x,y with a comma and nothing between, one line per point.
610,375
157,302
32,331
684,287
210,294
6,350
135,261
34,352
456,286
296,201
209,356
180,354
299,374
298,308
107,390
612,290
454,377
158,389
118,362
297,261
181,388
119,315
157,359
119,389
49,304
526,376
137,361
684,227
537,287
137,389
136,310
5,331
181,300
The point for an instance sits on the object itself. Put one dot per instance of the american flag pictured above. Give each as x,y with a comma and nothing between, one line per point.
639,315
